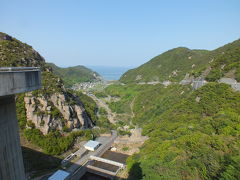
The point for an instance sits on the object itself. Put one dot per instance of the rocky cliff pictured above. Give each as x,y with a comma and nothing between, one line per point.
56,112
52,107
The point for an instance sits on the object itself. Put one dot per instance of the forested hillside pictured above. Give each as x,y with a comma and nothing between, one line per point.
197,138
174,64
171,65
75,74
226,62
193,134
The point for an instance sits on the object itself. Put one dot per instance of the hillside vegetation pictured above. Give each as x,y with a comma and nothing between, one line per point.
198,138
75,74
174,64
226,62
171,65
193,134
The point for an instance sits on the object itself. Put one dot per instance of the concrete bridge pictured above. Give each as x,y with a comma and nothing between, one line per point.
107,161
230,81
13,81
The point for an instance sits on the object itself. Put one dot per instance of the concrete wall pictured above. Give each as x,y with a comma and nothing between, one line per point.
13,82
234,84
11,162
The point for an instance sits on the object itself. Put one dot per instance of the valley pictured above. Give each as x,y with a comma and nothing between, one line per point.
175,117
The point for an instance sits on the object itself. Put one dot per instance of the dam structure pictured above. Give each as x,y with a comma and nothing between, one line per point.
13,81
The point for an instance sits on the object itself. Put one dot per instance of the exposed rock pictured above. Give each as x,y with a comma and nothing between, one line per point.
211,60
5,37
79,113
41,120
59,102
39,111
174,73
197,99
139,77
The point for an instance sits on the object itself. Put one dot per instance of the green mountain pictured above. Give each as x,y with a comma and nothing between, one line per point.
171,65
76,74
226,62
193,134
196,138
174,64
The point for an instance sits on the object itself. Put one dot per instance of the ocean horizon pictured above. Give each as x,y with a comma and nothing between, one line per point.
110,72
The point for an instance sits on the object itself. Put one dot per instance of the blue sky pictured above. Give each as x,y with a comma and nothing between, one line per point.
118,32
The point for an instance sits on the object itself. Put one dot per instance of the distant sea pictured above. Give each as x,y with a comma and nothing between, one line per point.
110,72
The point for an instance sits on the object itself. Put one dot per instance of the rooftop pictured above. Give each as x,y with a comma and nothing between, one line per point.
92,144
59,175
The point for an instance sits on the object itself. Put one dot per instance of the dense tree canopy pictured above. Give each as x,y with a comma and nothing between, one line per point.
194,138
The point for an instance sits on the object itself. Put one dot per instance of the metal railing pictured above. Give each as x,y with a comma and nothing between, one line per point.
13,69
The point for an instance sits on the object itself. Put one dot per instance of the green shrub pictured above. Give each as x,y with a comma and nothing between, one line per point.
54,142
102,111
214,75
21,112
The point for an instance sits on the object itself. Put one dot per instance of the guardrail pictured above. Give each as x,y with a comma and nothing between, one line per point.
14,69
14,80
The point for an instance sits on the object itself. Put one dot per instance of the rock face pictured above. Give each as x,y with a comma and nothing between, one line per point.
56,112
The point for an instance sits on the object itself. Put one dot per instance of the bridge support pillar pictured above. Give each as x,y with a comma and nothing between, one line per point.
11,162
13,81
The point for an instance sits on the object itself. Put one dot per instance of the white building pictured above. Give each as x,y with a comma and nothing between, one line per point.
92,145
59,175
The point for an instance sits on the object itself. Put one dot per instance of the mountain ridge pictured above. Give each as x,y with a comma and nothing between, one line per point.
75,74
174,64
